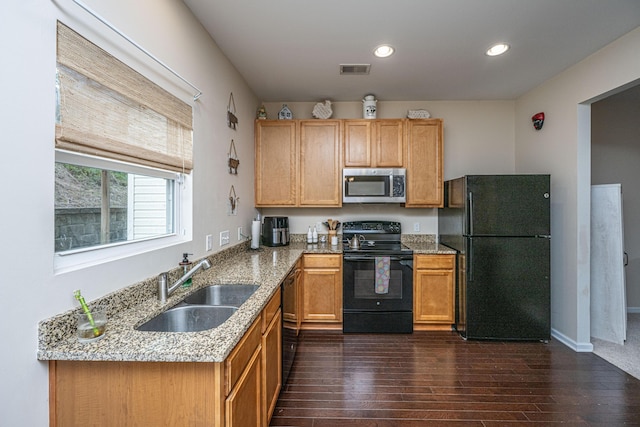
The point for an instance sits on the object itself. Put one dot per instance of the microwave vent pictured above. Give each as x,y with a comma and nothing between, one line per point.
355,69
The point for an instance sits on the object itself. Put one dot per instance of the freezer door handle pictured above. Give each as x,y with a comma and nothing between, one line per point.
470,213
626,259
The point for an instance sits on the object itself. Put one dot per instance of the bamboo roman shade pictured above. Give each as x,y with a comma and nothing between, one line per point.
107,109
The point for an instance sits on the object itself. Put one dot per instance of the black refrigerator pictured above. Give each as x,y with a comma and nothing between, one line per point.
500,227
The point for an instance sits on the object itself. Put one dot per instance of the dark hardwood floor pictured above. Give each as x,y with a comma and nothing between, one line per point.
436,378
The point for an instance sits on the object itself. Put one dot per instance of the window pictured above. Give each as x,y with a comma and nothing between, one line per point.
123,157
99,203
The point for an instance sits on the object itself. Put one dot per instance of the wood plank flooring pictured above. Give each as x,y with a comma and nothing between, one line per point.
438,379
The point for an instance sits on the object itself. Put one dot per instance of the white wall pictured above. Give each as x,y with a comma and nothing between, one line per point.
478,138
562,148
30,291
615,156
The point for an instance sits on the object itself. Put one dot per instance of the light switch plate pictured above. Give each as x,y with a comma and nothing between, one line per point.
208,245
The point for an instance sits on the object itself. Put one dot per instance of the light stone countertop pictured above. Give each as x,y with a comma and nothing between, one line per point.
134,305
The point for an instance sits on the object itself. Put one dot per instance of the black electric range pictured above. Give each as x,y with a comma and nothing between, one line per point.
377,279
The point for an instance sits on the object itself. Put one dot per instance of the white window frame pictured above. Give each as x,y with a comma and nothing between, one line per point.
80,258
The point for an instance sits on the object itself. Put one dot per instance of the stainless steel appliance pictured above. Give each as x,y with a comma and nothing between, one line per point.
499,224
275,231
377,279
373,185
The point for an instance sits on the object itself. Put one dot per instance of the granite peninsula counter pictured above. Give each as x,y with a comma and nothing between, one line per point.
129,307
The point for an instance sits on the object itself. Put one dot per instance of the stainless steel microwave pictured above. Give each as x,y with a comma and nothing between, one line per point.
374,185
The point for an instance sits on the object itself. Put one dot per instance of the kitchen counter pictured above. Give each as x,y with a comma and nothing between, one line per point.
422,248
129,308
132,306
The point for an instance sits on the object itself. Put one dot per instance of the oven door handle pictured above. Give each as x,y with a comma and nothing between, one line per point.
372,258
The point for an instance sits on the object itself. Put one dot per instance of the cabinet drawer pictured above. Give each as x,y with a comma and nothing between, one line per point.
322,261
241,354
270,310
434,261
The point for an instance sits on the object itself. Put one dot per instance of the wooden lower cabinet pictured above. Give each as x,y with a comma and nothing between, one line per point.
434,292
244,403
322,292
118,394
239,392
271,357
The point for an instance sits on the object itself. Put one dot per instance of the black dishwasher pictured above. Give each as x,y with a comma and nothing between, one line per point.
290,321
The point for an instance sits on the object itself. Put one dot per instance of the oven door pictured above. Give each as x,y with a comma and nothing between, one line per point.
360,292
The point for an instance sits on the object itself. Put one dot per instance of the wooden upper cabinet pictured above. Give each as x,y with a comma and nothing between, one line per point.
424,163
374,143
357,143
389,143
320,170
276,163
298,163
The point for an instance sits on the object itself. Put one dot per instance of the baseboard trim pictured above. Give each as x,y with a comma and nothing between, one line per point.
572,344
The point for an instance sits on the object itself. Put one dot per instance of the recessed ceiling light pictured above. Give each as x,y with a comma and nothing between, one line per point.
498,49
383,51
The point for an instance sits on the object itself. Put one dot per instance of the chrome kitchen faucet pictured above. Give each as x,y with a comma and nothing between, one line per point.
165,291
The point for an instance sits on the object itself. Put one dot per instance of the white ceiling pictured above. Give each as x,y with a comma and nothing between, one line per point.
290,50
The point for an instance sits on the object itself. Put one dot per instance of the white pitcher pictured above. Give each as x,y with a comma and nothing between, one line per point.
369,107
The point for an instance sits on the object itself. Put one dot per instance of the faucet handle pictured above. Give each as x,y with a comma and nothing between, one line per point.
162,288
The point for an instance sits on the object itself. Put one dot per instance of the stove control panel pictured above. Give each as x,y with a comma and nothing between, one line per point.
382,227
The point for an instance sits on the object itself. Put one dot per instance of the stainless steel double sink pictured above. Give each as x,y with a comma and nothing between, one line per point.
207,308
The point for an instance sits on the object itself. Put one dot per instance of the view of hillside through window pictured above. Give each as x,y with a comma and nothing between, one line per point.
96,207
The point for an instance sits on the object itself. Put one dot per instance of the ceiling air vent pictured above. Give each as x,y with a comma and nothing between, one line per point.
354,69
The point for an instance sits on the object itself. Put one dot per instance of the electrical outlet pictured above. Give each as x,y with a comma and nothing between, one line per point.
416,226
239,233
224,237
208,245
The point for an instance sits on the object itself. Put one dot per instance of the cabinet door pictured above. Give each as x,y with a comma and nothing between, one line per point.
271,366
322,289
320,172
357,143
243,406
434,296
434,289
276,175
389,143
374,143
424,163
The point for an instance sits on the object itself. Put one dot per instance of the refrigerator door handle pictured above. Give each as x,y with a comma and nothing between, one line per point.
470,213
470,260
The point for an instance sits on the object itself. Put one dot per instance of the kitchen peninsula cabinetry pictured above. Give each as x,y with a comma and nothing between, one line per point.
424,163
243,381
374,143
434,292
241,391
298,163
322,292
271,356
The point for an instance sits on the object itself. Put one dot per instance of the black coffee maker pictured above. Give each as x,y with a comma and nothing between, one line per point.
275,231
